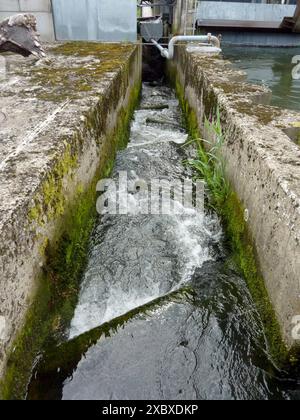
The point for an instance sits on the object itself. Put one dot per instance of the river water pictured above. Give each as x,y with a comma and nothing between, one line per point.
272,67
162,314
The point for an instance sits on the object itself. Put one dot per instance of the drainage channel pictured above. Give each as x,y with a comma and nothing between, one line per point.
161,314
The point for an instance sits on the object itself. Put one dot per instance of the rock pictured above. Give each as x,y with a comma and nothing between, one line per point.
18,34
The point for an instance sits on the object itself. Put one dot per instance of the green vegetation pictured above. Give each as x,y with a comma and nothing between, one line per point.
76,69
210,165
51,202
296,126
263,113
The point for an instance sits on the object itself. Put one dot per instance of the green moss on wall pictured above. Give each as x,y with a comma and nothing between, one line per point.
239,238
58,286
50,202
244,256
76,68
263,113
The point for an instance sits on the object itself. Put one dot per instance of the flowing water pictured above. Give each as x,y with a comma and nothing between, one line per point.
272,67
161,315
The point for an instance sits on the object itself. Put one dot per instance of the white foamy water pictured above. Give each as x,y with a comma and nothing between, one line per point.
136,258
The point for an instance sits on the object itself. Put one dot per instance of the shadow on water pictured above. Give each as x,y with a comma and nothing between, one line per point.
160,313
272,67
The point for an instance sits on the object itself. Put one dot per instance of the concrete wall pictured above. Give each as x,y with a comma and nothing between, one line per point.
40,8
263,166
48,169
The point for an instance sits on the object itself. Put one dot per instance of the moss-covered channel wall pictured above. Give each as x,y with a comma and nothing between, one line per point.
262,215
66,118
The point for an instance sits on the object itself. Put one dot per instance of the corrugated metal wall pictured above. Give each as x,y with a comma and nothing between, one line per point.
224,10
95,20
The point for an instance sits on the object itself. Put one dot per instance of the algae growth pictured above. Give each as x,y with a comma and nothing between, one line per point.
74,69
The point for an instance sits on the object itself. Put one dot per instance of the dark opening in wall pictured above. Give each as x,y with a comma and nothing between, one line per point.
153,64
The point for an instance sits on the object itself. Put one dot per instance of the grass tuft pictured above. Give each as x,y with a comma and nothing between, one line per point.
210,166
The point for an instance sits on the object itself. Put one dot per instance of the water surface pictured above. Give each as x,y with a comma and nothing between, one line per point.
271,67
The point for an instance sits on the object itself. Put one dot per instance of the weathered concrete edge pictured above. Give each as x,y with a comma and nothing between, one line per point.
88,155
260,160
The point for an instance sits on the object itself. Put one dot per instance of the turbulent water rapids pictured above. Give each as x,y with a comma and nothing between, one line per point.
172,320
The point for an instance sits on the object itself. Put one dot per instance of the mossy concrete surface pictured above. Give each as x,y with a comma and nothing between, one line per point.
263,167
63,120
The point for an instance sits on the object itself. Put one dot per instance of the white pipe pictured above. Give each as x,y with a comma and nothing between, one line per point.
169,53
161,49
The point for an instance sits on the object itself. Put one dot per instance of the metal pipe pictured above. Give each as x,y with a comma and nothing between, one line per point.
169,52
161,49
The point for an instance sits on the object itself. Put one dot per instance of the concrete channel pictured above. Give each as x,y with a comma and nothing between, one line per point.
65,124
262,164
